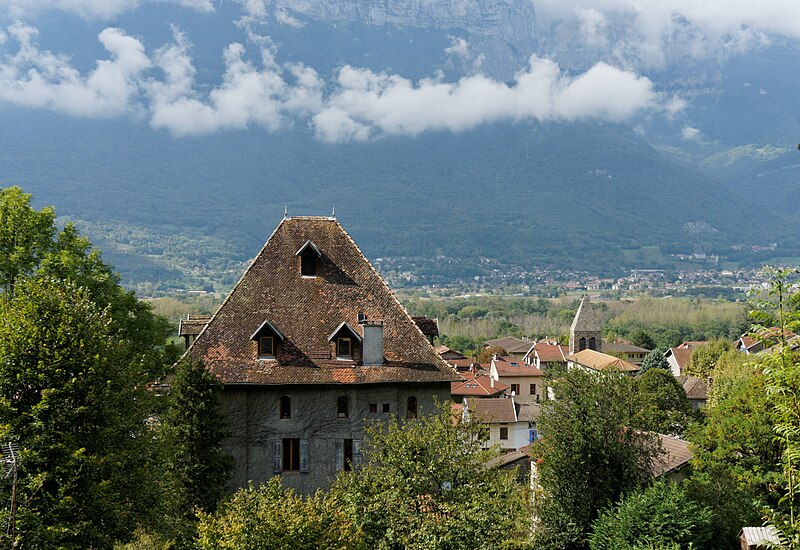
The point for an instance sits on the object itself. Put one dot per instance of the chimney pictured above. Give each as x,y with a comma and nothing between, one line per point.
373,344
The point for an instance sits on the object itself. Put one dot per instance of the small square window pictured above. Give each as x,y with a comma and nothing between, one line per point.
373,407
343,347
386,407
266,346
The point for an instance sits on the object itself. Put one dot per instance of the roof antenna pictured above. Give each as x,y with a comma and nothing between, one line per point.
333,214
285,211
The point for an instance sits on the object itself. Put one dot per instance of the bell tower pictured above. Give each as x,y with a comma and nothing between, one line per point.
585,330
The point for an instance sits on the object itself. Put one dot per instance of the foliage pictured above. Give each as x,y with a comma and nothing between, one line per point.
196,467
269,517
76,404
703,358
782,374
731,369
660,516
642,338
426,486
655,360
661,403
486,354
590,456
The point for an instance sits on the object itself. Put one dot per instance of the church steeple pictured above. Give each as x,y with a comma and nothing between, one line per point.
585,330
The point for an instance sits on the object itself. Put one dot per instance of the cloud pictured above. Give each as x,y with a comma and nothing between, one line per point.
690,134
90,9
283,16
367,104
459,47
654,33
35,78
254,90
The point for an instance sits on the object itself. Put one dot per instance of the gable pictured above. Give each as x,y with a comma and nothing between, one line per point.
308,310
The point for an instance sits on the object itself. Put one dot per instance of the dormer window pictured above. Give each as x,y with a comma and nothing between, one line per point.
344,348
309,254
267,338
345,339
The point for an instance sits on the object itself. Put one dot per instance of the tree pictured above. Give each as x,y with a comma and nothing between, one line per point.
270,517
590,456
661,403
485,355
642,338
196,465
426,485
76,406
655,360
658,517
703,359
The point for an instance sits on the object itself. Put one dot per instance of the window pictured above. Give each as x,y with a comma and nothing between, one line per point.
344,348
386,407
286,407
308,263
411,407
533,389
348,454
373,407
342,407
592,343
515,389
582,344
266,346
291,455
503,433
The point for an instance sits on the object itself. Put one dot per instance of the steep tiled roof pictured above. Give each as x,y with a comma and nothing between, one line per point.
513,366
549,353
479,386
681,355
429,327
585,319
600,361
695,388
675,453
507,343
306,310
492,410
192,325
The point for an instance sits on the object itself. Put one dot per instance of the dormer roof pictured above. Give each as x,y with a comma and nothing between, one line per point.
266,325
308,245
307,310
345,328
585,319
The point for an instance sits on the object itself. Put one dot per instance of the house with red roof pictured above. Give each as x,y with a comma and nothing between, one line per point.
527,383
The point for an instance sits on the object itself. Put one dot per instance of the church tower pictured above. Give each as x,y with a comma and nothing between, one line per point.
585,330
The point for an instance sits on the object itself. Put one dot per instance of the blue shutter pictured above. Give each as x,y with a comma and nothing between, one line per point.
356,453
339,455
304,460
277,458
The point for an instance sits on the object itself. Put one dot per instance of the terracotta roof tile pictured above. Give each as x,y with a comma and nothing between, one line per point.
600,361
479,386
306,310
514,366
675,453
492,410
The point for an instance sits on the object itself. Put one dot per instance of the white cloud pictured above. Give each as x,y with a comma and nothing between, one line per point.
91,9
459,47
283,16
359,104
690,134
390,105
653,33
35,78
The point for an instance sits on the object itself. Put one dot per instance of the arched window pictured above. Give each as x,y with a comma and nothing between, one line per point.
411,407
286,407
342,407
582,344
592,343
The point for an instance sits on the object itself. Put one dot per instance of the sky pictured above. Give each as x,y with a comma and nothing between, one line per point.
156,84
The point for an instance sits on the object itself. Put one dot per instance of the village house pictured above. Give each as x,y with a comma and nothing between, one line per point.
628,352
478,385
527,383
546,354
309,346
679,356
515,347
512,425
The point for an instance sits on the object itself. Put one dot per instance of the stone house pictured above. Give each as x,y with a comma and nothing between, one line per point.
310,345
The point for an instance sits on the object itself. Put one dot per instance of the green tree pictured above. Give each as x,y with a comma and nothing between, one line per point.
426,485
76,406
703,359
655,360
642,338
589,456
269,517
196,465
661,403
658,517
